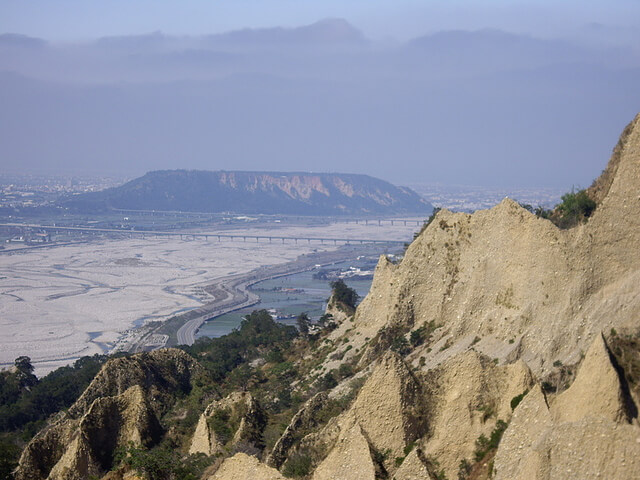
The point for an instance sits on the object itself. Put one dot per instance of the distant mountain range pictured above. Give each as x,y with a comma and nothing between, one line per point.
255,193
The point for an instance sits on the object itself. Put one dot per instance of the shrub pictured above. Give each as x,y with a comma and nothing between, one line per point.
515,401
298,465
575,208
344,294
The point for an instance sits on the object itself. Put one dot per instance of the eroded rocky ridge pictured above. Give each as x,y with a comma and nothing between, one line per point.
485,353
524,287
239,410
506,298
122,405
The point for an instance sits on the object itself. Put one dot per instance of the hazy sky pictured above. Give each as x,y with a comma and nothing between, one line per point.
401,19
493,92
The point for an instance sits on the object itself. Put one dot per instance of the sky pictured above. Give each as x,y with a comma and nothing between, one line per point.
399,19
496,93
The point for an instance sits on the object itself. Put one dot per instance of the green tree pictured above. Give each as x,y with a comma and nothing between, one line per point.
303,324
344,294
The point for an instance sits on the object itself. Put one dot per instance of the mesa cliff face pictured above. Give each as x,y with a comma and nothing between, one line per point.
485,353
255,193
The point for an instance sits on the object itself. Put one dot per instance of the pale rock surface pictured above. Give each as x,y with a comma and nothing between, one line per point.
467,395
413,468
244,467
350,458
251,423
506,274
389,407
121,405
596,390
303,420
585,434
111,422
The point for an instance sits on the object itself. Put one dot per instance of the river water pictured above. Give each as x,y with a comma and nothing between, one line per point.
290,295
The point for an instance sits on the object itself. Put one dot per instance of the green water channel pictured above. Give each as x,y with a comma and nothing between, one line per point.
310,298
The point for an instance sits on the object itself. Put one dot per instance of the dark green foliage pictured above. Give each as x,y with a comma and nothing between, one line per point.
326,321
328,381
303,324
464,469
577,205
548,387
345,370
163,463
219,423
484,445
274,355
298,465
575,208
9,454
417,336
515,401
343,294
26,402
400,345
258,333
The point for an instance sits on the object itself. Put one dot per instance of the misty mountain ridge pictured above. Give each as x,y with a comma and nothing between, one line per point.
309,96
255,193
329,31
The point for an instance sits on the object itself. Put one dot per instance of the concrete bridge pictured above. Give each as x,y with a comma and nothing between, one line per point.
195,235
337,219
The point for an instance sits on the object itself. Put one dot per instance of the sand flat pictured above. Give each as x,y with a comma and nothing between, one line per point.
60,303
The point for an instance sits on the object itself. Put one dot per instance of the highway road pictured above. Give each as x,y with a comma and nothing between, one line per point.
239,296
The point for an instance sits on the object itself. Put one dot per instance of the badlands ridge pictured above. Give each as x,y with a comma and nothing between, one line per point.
490,351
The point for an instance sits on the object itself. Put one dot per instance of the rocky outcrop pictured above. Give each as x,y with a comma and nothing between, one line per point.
121,405
505,275
302,422
350,457
390,407
244,467
230,421
468,394
161,373
86,447
586,432
597,390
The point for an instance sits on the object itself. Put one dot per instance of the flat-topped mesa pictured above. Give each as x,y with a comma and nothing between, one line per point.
517,280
